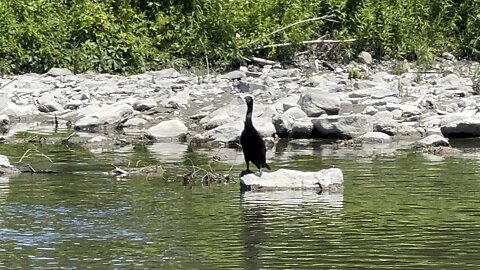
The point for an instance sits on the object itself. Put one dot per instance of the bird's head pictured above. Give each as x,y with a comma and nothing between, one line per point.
248,100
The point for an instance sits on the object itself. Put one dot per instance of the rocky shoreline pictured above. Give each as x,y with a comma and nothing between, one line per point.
363,101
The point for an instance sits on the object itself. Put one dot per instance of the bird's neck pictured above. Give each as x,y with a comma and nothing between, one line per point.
248,117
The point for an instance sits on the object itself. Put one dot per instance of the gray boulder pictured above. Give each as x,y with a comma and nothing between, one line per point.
47,103
364,58
108,116
233,75
249,87
167,129
164,74
293,123
460,125
56,72
229,132
144,104
315,102
342,126
434,141
6,169
373,138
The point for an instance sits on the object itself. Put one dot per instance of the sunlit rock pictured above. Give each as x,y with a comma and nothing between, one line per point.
316,102
374,137
460,125
344,126
330,180
167,129
6,169
108,116
434,141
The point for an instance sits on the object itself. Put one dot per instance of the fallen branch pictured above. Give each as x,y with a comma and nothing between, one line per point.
262,61
325,17
317,41
3,86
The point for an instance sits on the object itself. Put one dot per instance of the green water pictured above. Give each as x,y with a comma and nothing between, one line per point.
401,211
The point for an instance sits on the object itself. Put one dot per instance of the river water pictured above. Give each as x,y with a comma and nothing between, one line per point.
399,210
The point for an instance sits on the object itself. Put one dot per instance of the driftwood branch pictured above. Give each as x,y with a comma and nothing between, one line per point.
3,86
317,41
325,17
262,61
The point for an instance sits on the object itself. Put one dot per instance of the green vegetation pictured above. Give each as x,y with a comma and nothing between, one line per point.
130,36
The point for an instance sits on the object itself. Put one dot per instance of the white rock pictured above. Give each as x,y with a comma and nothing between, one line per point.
434,140
315,102
144,104
4,162
105,116
330,180
374,137
168,129
365,58
55,72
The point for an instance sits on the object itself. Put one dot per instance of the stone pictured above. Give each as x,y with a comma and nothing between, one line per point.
365,58
14,110
374,137
376,92
284,123
6,169
434,140
135,122
4,123
314,102
460,125
342,126
407,110
56,72
108,116
385,124
327,180
164,74
4,162
47,103
448,56
234,75
249,87
167,129
301,129
73,105
229,132
144,104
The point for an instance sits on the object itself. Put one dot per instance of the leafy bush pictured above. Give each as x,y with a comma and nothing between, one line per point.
130,36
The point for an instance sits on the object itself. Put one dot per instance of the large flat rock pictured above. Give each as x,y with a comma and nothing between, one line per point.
329,180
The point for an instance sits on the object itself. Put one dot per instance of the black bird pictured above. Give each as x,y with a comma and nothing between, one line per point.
252,143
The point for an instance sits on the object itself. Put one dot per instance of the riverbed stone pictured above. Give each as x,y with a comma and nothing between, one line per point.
108,116
434,140
56,72
316,102
460,125
234,75
167,129
365,58
342,126
374,138
47,103
328,180
144,104
167,73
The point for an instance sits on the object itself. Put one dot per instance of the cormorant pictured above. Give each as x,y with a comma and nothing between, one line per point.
252,143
